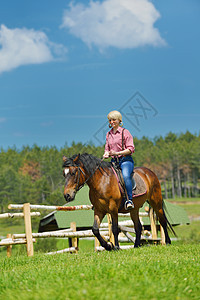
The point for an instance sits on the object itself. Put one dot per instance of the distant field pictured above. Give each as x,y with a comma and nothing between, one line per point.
191,205
185,200
193,210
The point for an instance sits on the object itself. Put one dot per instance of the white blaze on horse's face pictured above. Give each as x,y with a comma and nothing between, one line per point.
66,170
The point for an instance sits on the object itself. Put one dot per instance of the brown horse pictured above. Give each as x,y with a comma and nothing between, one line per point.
105,195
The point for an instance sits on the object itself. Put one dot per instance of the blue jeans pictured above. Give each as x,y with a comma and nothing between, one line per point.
127,164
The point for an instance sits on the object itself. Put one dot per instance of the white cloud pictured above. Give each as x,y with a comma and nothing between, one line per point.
114,23
26,46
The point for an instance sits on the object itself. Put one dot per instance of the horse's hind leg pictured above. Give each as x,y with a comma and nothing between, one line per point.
138,226
98,217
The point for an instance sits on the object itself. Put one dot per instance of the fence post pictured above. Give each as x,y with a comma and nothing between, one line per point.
153,224
96,244
9,247
28,229
111,236
162,235
74,240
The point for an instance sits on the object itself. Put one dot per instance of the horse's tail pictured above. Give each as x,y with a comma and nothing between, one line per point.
169,226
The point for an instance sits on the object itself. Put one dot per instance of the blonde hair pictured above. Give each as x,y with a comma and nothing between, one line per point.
115,115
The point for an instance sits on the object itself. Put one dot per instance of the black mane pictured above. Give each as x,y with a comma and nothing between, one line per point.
90,162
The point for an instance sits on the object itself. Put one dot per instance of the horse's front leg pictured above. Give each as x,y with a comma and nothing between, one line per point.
98,217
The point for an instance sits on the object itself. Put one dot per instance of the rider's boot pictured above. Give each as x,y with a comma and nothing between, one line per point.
128,205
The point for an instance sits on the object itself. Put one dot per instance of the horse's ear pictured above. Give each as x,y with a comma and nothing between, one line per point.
64,158
76,158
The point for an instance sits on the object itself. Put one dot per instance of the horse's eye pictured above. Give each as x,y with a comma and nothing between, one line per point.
73,173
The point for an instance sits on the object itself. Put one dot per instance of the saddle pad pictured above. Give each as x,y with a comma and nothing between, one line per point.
140,185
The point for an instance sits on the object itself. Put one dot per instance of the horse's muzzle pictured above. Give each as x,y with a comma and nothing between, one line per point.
69,198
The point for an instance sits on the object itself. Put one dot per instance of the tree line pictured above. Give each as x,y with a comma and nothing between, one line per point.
34,174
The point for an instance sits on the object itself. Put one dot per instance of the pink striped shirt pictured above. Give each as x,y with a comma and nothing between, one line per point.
114,140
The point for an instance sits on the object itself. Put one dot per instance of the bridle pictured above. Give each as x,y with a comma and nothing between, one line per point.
78,187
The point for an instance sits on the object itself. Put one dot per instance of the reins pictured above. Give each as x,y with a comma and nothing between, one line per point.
77,188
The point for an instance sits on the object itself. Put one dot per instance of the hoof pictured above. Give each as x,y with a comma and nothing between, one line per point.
116,248
109,247
168,242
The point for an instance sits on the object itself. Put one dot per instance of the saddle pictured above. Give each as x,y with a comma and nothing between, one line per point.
138,184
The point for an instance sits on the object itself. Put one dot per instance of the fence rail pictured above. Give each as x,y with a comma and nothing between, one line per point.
18,215
51,207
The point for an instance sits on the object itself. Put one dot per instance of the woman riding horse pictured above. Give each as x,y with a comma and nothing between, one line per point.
106,197
119,145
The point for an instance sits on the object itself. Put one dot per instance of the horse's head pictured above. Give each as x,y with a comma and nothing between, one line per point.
74,176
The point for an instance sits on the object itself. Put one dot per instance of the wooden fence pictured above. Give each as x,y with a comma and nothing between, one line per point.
29,237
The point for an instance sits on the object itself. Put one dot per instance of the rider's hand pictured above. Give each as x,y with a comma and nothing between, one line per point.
106,154
113,153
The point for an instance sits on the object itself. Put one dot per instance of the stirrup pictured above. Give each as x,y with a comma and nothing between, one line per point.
128,205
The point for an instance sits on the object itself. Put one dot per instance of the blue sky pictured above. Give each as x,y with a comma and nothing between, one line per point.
64,65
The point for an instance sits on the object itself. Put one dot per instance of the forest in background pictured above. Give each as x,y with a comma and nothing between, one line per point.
34,174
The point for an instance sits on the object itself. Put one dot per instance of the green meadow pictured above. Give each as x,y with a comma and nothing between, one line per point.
150,272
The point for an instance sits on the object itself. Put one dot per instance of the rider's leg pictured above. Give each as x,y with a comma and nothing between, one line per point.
127,169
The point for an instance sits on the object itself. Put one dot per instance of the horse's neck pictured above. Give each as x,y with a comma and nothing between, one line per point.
103,186
99,180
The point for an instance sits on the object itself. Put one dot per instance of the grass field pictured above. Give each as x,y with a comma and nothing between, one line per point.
150,272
